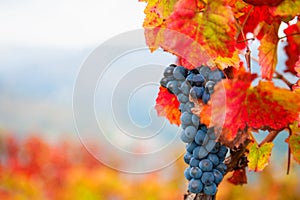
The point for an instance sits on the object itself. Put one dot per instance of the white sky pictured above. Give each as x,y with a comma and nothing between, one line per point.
67,23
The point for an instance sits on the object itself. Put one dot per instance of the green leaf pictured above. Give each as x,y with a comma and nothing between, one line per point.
294,140
259,156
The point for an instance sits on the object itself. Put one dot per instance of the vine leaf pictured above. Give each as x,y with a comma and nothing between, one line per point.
191,30
265,2
218,28
259,156
292,49
297,67
238,177
250,106
266,98
294,141
287,9
268,51
234,111
167,106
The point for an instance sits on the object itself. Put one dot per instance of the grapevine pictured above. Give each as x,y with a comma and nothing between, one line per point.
210,39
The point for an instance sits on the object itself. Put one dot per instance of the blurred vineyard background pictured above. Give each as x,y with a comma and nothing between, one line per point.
32,168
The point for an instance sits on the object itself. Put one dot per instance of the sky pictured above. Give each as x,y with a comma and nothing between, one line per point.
42,47
67,24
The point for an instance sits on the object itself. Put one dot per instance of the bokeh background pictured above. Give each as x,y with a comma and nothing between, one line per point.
42,47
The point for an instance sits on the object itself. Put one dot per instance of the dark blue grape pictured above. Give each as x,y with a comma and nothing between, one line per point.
209,144
204,71
189,106
187,173
173,87
180,73
216,75
196,92
210,189
190,77
187,157
207,178
205,97
164,81
194,162
195,120
216,148
195,172
186,118
203,127
191,146
213,158
202,152
205,165
182,98
185,88
169,72
222,168
195,186
182,107
209,86
218,176
190,131
199,138
185,138
211,134
198,80
222,152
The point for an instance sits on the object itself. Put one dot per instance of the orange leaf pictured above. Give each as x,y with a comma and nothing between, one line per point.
167,106
268,51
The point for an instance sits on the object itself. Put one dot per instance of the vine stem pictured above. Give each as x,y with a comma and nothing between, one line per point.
289,155
285,80
288,35
269,138
248,51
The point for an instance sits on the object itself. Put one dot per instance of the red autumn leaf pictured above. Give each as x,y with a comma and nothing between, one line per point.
272,107
235,105
167,106
292,49
229,105
265,2
268,51
297,67
238,177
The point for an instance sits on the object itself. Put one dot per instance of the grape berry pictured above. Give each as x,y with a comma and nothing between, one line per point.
203,155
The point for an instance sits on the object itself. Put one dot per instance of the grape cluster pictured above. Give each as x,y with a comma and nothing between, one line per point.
203,155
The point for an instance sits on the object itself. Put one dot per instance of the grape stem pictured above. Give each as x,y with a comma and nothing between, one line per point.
235,156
